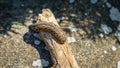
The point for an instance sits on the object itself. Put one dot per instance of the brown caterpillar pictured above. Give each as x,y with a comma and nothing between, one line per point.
53,29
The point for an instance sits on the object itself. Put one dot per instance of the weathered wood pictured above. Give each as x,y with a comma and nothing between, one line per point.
61,53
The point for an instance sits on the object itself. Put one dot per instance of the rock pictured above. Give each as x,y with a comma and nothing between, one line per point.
118,65
71,39
86,14
101,35
114,48
93,1
64,18
58,19
114,14
44,63
117,34
72,28
118,27
30,11
105,51
37,36
71,1
5,36
106,29
46,48
37,42
108,4
37,63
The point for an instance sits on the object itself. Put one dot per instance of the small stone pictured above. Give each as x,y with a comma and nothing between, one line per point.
102,56
72,28
114,14
30,11
37,63
73,15
37,42
118,27
101,35
106,29
114,48
105,1
105,51
85,14
58,20
71,39
37,36
93,1
118,65
5,36
44,63
71,1
46,48
117,34
22,5
103,6
62,18
108,4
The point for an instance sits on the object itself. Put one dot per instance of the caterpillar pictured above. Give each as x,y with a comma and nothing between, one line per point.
51,28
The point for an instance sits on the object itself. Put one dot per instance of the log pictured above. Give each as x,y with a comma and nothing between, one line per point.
61,54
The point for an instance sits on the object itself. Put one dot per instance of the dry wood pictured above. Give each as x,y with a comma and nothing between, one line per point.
61,53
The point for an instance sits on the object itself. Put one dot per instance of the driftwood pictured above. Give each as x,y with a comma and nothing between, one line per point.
61,54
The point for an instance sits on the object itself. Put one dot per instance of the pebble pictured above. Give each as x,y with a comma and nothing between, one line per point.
46,48
117,34
58,20
118,65
22,5
71,39
85,14
101,35
118,27
72,28
5,36
105,1
37,36
114,48
103,6
37,63
71,1
108,4
40,63
114,14
37,42
105,51
106,29
93,1
30,11
62,18
102,56
44,63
